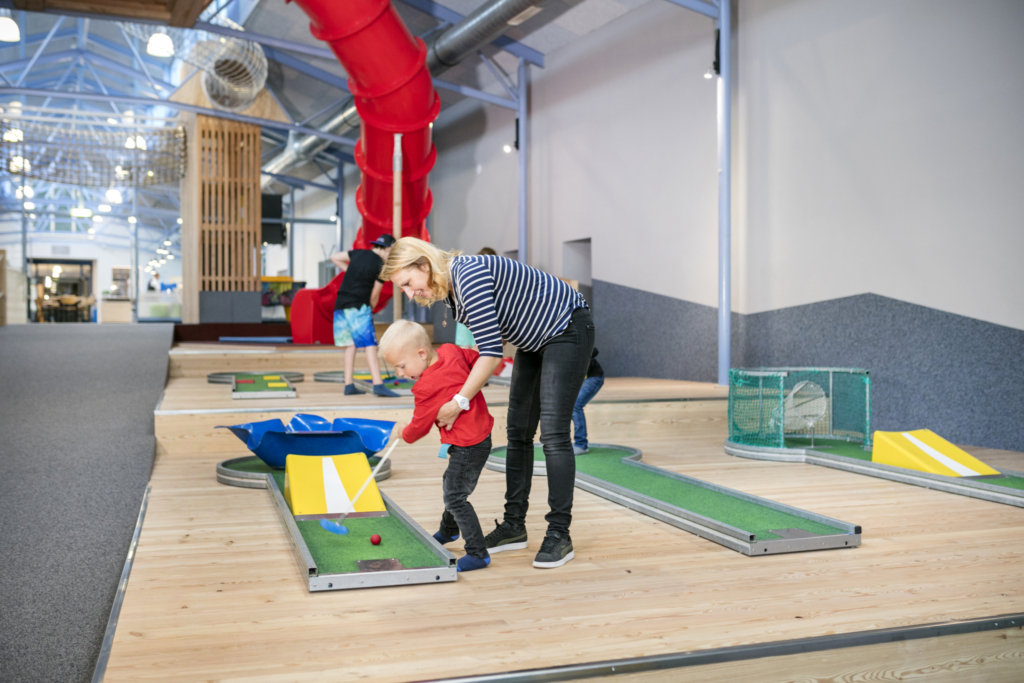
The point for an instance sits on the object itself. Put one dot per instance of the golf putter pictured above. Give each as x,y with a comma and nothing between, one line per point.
335,527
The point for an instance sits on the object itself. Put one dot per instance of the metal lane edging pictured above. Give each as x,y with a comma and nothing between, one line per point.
757,500
738,653
100,669
729,536
966,487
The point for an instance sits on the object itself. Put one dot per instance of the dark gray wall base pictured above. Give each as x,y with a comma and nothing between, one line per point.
230,307
641,334
963,378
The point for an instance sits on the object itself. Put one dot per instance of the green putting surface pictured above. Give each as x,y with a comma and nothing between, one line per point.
336,554
254,465
856,451
606,464
259,384
844,448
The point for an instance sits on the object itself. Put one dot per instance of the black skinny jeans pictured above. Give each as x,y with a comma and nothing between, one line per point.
545,385
464,466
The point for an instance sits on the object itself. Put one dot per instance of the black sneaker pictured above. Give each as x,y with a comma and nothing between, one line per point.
505,537
555,551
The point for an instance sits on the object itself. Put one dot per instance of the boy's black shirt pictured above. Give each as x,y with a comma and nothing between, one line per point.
363,271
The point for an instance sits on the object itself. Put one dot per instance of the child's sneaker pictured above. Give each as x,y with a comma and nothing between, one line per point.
350,390
580,450
555,551
381,390
443,538
505,537
468,563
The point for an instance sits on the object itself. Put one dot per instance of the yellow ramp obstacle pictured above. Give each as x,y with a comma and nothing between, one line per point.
925,451
322,486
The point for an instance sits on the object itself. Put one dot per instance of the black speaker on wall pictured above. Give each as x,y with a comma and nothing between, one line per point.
273,233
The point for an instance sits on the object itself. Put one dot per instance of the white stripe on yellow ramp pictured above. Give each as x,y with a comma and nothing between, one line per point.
926,451
334,491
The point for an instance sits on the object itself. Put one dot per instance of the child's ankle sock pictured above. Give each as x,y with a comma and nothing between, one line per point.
468,563
381,390
350,389
444,538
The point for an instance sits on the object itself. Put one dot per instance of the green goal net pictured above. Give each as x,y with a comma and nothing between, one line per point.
767,406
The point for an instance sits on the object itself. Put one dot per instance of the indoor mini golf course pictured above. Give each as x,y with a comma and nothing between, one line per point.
852,457
737,520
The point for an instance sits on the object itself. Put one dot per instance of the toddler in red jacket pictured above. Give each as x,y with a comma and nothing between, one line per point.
439,376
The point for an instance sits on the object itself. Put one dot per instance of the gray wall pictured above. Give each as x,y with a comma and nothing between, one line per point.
961,377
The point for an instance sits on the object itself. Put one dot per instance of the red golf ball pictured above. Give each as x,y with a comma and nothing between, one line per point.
375,539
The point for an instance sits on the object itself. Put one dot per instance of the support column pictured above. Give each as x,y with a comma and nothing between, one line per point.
341,205
724,196
24,251
291,234
220,213
136,274
522,75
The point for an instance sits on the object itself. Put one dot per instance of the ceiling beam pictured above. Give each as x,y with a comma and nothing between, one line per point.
442,13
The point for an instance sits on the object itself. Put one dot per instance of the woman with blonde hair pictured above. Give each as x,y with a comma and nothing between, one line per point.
552,327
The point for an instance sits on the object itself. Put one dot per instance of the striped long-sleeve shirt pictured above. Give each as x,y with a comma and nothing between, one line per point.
498,298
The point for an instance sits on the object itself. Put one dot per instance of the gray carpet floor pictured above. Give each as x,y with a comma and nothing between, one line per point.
76,451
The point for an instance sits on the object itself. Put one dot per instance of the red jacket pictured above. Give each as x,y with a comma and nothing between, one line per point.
435,387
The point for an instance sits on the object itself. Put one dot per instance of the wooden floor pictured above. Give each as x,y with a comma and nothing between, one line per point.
215,593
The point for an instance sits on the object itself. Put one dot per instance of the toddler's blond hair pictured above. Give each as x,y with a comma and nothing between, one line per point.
401,335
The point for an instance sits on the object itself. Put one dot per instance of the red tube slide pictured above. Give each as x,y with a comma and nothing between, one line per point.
393,92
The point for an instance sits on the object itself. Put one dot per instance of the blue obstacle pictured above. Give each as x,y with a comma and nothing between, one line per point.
272,440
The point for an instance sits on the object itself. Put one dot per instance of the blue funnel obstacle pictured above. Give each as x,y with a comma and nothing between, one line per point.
272,441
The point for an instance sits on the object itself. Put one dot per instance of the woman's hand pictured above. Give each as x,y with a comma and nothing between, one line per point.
449,412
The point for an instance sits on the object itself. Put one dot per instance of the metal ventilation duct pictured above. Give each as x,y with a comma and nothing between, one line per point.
233,71
476,29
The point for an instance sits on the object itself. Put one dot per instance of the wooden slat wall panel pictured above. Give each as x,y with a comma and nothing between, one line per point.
229,223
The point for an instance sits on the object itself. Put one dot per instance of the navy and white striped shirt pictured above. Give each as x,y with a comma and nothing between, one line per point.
498,298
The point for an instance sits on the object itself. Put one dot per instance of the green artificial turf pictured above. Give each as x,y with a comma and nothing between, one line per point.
845,448
334,554
606,464
251,464
259,384
1009,482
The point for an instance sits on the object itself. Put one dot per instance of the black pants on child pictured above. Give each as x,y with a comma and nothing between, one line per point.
464,466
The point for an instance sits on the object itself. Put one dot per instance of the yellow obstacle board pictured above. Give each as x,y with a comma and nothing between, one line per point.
320,486
925,451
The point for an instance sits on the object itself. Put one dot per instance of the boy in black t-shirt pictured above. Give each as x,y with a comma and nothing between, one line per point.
353,309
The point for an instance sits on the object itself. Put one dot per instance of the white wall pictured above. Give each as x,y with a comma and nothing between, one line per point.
622,144
877,148
881,150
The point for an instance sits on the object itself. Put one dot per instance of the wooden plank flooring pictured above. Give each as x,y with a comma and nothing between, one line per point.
215,592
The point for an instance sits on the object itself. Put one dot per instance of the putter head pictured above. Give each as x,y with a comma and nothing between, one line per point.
333,527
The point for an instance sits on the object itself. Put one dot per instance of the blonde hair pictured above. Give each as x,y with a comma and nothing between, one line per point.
402,334
410,252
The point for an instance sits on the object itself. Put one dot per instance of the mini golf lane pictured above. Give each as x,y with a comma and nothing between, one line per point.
406,555
737,520
851,457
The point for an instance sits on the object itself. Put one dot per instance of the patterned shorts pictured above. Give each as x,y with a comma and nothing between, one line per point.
354,326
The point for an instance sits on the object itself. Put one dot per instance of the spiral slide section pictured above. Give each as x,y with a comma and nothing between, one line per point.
393,93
